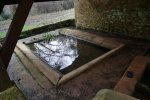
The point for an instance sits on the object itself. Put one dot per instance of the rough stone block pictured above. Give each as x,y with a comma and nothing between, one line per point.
107,94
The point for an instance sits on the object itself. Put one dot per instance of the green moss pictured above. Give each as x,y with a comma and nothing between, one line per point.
25,28
36,29
30,30
28,27
107,94
12,93
48,37
2,34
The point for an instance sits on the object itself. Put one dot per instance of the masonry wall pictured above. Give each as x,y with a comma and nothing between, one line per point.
129,18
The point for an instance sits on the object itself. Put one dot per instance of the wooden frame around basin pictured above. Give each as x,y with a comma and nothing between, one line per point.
137,67
34,63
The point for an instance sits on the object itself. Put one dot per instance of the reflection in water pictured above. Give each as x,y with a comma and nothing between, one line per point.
65,53
59,52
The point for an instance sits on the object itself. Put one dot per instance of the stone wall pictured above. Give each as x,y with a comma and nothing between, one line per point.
122,17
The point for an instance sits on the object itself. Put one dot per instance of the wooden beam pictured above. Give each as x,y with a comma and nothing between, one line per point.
8,2
132,75
5,81
15,30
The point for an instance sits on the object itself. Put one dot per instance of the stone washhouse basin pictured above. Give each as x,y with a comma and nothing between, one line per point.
32,57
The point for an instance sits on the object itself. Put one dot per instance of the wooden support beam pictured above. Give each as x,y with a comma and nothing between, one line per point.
5,81
132,75
15,30
8,2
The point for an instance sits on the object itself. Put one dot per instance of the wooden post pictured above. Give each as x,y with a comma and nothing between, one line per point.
1,7
15,30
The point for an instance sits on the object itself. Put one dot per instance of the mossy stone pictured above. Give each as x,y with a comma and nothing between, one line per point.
12,93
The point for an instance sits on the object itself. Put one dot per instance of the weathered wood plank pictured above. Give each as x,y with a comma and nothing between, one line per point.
39,77
83,68
103,41
15,30
36,63
132,75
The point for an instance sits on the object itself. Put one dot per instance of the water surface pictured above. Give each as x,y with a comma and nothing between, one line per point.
65,53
